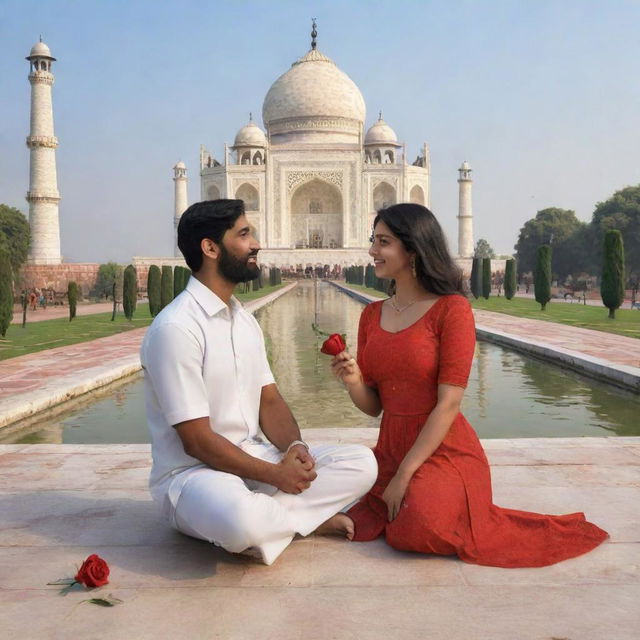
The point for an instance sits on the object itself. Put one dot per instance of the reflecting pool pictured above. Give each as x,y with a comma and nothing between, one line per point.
509,395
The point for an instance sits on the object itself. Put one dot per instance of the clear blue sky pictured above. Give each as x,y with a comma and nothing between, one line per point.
541,97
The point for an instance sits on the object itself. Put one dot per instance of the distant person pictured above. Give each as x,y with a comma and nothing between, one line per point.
433,492
229,465
33,300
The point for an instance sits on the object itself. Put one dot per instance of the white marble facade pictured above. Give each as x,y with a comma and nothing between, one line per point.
312,181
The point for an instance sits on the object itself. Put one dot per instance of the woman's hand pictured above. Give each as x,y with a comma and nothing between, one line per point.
346,369
394,494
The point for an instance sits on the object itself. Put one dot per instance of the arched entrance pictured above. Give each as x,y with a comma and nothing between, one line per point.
316,215
416,195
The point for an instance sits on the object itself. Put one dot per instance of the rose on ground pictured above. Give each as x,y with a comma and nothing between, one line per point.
94,572
333,345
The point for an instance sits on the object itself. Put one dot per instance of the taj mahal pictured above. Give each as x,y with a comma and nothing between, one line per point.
311,180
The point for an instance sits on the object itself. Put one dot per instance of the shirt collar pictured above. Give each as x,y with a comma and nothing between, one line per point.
209,301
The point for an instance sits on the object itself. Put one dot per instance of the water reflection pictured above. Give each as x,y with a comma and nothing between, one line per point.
301,371
509,395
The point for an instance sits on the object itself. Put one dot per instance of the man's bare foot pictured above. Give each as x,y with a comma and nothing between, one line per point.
339,525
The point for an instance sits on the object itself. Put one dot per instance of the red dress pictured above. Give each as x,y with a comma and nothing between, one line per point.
448,506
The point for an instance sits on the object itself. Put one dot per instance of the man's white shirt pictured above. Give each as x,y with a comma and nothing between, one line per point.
200,358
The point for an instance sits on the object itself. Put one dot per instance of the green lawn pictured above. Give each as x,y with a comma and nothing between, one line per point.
626,323
47,334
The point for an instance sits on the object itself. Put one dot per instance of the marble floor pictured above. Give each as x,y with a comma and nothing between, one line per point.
59,503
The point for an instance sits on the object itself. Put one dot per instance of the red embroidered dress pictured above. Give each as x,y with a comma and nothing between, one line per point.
448,506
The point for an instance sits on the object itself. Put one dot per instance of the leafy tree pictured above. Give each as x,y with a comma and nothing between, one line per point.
612,283
166,286
621,212
107,274
153,290
14,236
483,250
475,283
557,227
6,292
510,279
72,295
129,292
542,276
486,278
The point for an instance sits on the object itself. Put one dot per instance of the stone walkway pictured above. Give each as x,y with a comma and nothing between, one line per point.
60,503
52,312
598,344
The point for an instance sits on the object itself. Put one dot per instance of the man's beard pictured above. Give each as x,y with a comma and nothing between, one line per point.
235,269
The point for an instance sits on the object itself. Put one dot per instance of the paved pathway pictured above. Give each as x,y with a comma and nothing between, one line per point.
599,344
52,312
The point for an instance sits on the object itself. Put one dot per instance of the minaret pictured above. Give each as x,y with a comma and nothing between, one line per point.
181,203
465,214
43,196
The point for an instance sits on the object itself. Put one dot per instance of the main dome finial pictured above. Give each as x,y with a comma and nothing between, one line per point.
314,33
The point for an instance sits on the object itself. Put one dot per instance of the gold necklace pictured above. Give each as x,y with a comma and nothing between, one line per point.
400,309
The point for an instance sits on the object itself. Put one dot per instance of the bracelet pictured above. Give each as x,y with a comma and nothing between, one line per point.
294,443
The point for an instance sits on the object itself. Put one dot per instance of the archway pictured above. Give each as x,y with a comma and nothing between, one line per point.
213,193
316,215
416,195
249,194
384,195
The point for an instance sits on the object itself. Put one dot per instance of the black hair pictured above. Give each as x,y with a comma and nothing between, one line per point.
209,219
420,233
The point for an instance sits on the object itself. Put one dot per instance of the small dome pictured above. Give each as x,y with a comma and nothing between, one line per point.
464,166
180,165
251,135
381,133
40,50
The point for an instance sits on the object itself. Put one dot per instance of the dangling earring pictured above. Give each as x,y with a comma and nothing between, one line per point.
413,266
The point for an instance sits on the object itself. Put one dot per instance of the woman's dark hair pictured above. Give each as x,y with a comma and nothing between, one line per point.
209,219
420,233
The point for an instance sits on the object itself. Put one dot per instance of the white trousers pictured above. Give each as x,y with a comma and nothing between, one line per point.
240,515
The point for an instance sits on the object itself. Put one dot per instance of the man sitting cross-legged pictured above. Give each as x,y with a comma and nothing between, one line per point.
228,462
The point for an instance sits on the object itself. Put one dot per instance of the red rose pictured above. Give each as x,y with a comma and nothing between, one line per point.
94,572
333,345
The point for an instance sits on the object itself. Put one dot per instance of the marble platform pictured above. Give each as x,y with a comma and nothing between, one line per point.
59,503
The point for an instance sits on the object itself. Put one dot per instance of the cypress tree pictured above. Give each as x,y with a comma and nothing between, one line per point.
510,281
369,276
475,283
72,295
129,292
486,277
180,279
6,292
153,290
166,286
612,282
542,276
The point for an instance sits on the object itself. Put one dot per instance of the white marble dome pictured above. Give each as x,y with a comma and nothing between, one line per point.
40,50
314,95
381,133
251,135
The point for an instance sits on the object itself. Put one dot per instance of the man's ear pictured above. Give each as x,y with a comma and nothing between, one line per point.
210,248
